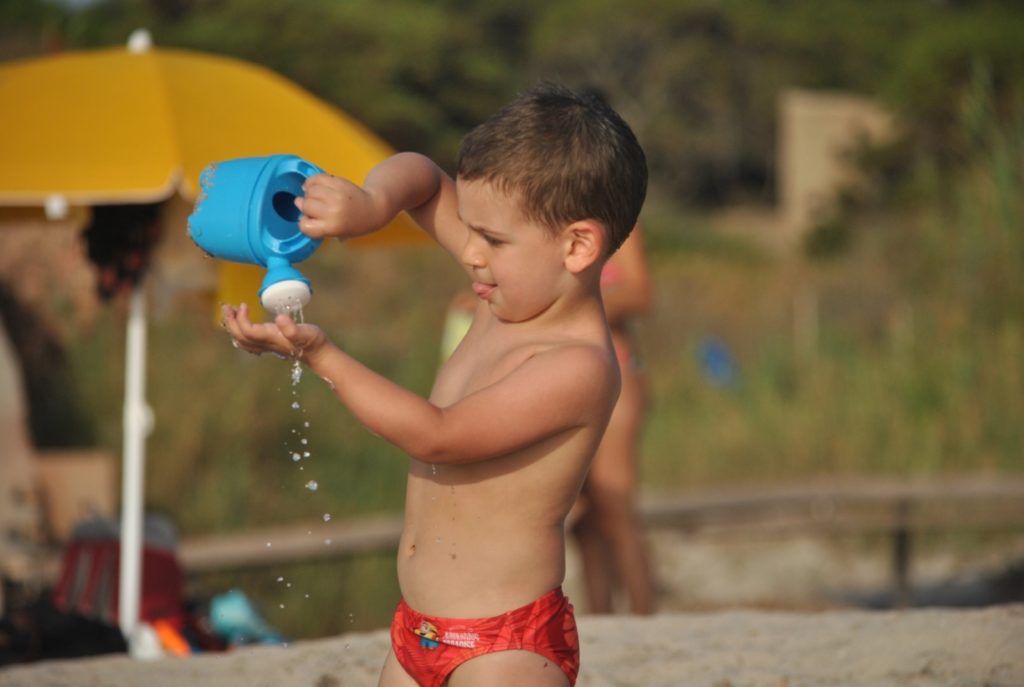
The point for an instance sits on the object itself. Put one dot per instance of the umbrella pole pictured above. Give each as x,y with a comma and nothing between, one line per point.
137,420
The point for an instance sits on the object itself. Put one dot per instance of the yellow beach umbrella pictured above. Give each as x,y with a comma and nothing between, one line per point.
138,125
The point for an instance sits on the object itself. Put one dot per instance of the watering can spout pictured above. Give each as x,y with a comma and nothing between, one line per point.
246,213
284,289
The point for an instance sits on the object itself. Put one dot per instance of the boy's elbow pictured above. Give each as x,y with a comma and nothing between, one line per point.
430,444
437,450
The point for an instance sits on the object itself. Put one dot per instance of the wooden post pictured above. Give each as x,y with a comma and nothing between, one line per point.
901,554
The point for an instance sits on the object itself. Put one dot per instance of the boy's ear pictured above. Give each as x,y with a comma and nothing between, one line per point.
584,244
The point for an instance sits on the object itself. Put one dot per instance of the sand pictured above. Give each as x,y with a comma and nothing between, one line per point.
738,648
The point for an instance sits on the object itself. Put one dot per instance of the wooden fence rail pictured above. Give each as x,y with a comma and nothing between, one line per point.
900,508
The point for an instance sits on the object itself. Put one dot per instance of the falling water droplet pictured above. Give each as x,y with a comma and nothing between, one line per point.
295,405
280,579
303,441
312,485
327,517
296,457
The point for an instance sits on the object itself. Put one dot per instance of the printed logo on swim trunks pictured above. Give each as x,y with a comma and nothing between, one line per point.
427,632
464,640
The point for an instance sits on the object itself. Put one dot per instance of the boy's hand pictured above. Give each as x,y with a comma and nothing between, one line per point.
337,207
282,336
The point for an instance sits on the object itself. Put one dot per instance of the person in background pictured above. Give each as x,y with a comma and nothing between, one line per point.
610,540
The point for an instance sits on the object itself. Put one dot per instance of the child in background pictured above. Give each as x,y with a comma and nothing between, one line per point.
546,190
611,542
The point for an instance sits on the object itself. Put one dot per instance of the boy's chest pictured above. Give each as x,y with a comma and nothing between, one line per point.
477,365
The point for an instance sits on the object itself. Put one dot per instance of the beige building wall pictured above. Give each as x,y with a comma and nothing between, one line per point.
817,132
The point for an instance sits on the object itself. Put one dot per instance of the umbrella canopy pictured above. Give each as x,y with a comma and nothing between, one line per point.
138,125
124,126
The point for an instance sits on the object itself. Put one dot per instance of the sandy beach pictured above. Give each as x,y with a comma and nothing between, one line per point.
739,648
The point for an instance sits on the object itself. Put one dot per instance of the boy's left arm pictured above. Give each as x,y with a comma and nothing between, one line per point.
553,392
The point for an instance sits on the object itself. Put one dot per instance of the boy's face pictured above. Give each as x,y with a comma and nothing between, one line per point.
516,264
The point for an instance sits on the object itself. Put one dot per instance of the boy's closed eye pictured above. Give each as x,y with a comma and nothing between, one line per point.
487,235
491,240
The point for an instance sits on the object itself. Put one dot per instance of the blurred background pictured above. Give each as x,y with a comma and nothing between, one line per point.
834,228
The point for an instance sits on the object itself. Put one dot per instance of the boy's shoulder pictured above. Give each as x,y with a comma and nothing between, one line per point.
580,360
543,358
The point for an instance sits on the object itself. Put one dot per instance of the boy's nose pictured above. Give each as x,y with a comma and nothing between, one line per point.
471,254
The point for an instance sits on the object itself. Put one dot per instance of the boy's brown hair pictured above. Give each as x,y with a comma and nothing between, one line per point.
565,156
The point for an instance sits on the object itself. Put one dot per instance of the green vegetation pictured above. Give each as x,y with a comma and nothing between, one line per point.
892,345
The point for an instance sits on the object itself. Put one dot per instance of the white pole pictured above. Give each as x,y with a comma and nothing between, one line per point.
137,420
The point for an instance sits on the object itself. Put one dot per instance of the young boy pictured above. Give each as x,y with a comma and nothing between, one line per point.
546,190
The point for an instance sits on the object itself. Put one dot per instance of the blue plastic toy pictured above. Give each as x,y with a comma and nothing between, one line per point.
235,620
246,213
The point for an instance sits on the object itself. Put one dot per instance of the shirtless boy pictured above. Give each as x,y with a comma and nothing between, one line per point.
546,190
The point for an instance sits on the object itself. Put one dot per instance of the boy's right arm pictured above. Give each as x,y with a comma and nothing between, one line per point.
404,182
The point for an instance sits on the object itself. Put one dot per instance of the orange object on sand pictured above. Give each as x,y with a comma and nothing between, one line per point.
171,639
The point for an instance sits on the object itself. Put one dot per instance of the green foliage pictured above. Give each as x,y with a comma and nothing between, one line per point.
698,79
828,239
936,65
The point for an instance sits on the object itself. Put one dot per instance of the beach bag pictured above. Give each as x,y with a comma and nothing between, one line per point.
89,576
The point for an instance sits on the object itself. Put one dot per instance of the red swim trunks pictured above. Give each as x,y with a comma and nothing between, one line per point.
431,648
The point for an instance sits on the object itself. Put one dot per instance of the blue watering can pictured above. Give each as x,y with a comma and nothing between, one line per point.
246,213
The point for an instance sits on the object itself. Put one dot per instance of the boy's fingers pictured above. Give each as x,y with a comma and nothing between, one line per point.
245,329
313,228
286,324
312,206
319,184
